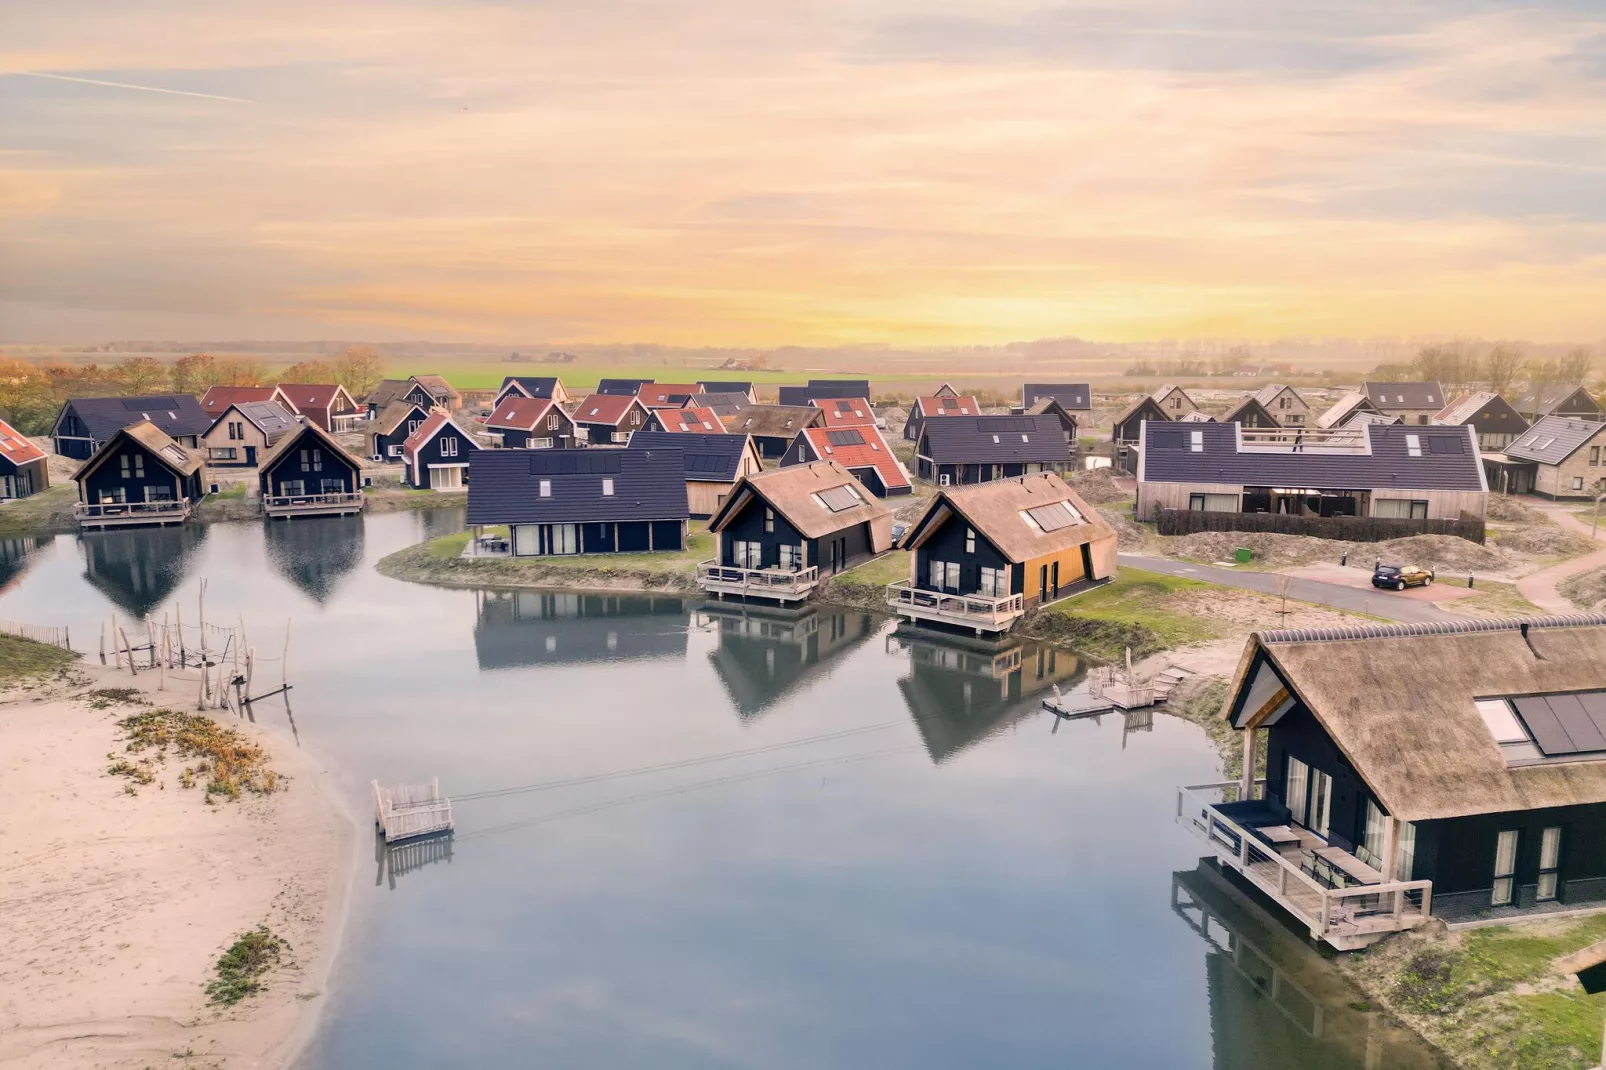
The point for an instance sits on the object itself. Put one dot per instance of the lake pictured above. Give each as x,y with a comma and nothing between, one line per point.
693,836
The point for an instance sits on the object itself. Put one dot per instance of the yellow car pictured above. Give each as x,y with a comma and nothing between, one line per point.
1399,577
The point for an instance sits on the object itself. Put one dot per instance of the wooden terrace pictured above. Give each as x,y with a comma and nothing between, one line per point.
984,613
1343,900
782,585
289,505
130,514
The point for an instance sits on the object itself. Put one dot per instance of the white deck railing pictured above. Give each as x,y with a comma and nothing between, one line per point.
131,512
764,582
411,810
312,503
976,610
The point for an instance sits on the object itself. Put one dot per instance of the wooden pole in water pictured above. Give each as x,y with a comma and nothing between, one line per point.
117,651
103,642
284,662
130,650
178,612
150,639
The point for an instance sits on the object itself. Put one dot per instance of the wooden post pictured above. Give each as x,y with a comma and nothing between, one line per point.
1391,848
117,650
130,651
178,613
284,661
250,667
1246,783
103,643
150,638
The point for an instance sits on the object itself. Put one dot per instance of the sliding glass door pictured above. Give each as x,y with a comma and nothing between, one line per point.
1505,868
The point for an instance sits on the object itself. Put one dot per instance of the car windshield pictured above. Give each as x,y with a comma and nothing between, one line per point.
1387,570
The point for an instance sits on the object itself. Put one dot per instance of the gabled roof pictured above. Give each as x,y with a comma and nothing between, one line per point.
1076,397
390,390
1433,756
174,414
520,413
1197,416
1165,390
505,486
1381,458
16,447
1486,411
965,405
994,440
724,386
392,415
437,422
1245,408
218,398
1465,407
438,386
1554,439
824,388
1344,409
1268,393
774,420
857,447
1144,404
1548,399
306,397
1003,511
606,410
1050,405
626,387
708,458
1391,397
157,442
846,412
296,438
689,421
659,395
724,404
535,386
269,417
800,494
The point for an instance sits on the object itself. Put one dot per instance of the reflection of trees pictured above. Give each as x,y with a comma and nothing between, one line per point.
962,692
315,552
765,655
138,568
517,628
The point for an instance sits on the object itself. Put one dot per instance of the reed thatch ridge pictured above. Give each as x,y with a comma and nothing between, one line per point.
1446,627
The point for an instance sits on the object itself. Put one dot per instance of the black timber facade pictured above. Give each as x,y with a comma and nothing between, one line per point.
307,465
757,521
126,470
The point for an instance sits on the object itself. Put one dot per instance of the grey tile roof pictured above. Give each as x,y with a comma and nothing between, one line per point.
995,440
1553,439
722,403
538,386
1169,458
724,386
1390,397
1074,396
269,416
504,486
1547,399
824,388
176,415
621,387
713,458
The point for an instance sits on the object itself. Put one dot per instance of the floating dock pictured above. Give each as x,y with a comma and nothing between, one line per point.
411,810
1111,690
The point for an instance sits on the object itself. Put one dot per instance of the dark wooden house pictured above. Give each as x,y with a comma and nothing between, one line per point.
139,475
390,391
1076,398
1126,431
531,386
773,427
308,473
936,407
818,389
1491,417
437,454
564,502
714,464
981,556
1482,796
780,531
531,424
863,451
391,429
959,450
622,388
1413,402
85,423
1250,413
24,468
1559,400
608,419
329,405
1052,406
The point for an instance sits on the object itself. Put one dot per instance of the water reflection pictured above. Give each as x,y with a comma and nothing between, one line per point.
315,553
764,655
14,554
522,628
393,860
138,568
1274,1001
960,692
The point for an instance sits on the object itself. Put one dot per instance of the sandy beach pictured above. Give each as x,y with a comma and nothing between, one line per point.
116,906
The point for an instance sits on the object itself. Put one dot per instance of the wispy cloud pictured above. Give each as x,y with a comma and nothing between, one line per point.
125,85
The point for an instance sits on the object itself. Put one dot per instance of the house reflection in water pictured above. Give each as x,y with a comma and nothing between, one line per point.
961,692
14,554
138,568
766,654
520,628
315,553
1274,1001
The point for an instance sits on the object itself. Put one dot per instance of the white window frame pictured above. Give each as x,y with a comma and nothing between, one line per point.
1504,891
448,446
607,487
994,582
1321,802
1296,789
1549,863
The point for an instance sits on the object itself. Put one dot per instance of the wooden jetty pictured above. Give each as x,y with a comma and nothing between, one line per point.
1110,689
411,810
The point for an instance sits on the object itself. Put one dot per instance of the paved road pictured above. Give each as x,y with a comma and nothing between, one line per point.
1377,603
1540,587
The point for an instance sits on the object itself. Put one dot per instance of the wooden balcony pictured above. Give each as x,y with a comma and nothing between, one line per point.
984,613
130,514
288,505
781,585
1352,912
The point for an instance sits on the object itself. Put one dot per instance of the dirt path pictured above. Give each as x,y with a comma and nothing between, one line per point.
1540,587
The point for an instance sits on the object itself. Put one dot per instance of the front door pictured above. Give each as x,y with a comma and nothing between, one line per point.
251,456
565,538
1054,575
1042,583
1087,561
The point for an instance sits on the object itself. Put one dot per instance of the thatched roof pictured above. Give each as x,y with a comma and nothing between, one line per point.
773,420
793,492
996,510
182,461
1397,700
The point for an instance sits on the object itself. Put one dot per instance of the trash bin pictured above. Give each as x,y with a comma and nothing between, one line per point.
1243,555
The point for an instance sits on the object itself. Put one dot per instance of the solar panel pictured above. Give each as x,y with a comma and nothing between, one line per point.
1054,517
839,499
1168,440
845,438
145,404
1564,724
1446,444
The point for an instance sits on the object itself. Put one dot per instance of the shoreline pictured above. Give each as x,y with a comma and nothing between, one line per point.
120,896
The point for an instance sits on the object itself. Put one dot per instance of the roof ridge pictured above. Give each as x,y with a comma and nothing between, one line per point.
1460,627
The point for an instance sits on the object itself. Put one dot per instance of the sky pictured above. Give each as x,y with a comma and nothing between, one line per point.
918,172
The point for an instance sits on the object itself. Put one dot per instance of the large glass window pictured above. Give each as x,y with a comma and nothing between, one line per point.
791,556
995,582
1405,855
1549,861
945,576
1373,835
1296,788
745,554
1505,868
1321,801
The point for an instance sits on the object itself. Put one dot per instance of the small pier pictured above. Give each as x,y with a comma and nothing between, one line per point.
1112,690
411,810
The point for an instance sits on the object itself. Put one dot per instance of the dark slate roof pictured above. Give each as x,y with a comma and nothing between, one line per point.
1547,399
724,386
723,404
708,458
175,415
1073,396
269,416
621,387
824,388
1553,439
995,440
504,486
1388,463
1391,397
538,386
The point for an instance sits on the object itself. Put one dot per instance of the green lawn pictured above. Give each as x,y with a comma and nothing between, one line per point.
888,568
699,547
1138,598
23,659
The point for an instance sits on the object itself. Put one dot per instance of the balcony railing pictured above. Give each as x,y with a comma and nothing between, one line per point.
111,514
1347,917
778,583
985,613
298,504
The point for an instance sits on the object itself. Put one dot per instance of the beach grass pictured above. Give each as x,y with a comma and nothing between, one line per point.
240,969
24,659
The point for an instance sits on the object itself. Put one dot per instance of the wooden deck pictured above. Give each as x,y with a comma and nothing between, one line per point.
781,585
984,613
130,514
411,810
290,505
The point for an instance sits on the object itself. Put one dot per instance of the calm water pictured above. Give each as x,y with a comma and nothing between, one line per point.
732,840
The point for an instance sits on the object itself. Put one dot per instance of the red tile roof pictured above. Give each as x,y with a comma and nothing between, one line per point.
436,421
219,398
657,395
694,421
607,409
846,412
312,396
520,412
16,447
872,452
946,406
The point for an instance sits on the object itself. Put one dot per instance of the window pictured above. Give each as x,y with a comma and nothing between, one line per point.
1213,503
224,453
448,446
305,463
317,460
1321,800
769,520
124,465
565,538
791,557
1370,849
1413,445
1502,723
1405,855
551,423
333,486
1594,456
292,488
1196,441
539,443
1196,503
970,541
1505,868
995,582
1401,508
607,488
1578,482
746,554
546,488
412,425
1296,784
1176,402
945,576
1549,857
236,431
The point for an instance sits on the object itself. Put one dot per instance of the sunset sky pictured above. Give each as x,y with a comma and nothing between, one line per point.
758,173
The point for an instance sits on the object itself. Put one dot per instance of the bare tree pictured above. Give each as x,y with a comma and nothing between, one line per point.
1501,367
1574,368
140,375
359,369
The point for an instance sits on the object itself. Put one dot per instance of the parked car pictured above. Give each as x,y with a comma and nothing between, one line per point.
899,530
1399,577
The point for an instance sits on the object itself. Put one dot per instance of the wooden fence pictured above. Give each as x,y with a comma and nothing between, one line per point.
1353,528
39,633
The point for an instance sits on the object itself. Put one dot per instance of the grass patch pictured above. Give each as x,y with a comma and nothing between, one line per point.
1130,611
240,969
229,766
231,492
1491,599
24,659
440,560
877,573
448,545
48,512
